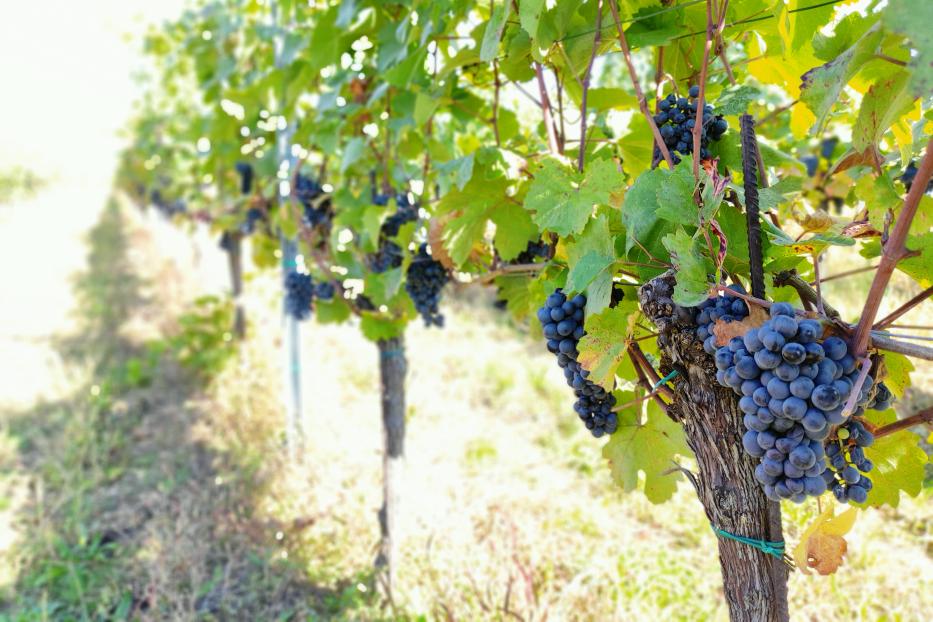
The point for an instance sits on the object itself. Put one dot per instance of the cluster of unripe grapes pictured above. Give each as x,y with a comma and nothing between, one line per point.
424,281
793,386
676,119
389,254
562,321
300,292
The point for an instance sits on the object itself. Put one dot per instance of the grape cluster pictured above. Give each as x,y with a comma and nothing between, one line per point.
534,250
324,291
389,254
726,308
299,293
425,280
847,462
245,171
907,178
793,386
562,320
677,118
317,211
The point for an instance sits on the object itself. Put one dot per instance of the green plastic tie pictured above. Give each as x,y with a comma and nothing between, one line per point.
665,380
775,549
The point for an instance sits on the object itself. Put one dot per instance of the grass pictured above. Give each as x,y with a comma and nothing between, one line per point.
166,494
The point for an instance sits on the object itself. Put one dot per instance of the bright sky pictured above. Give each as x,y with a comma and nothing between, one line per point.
66,68
67,89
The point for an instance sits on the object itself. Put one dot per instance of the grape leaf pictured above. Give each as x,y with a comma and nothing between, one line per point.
649,448
639,210
675,196
882,105
899,463
637,147
523,296
919,267
377,328
529,14
563,200
735,101
692,285
897,369
912,18
514,229
603,347
590,256
822,85
493,33
469,209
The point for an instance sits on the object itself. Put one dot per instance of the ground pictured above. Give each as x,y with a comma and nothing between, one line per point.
133,487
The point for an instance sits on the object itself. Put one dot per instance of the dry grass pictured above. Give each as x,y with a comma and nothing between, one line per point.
508,509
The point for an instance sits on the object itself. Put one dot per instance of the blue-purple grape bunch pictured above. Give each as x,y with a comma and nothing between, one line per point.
676,119
317,207
907,177
300,292
562,321
424,281
534,250
389,254
793,386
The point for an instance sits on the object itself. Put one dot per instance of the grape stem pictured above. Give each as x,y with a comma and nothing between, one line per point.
922,417
581,156
840,275
806,293
712,31
904,308
893,250
553,145
642,103
639,356
857,387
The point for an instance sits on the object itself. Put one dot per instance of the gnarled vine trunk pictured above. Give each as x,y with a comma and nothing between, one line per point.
392,370
754,583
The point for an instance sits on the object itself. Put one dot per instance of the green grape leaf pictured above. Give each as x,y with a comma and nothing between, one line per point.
735,101
591,255
637,147
692,286
882,105
529,14
918,267
639,210
898,368
649,448
880,196
377,328
470,207
605,98
493,33
514,229
912,18
675,196
523,295
822,85
563,200
603,347
899,463
332,311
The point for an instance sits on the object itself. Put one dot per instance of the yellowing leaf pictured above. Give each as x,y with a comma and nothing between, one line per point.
822,546
604,345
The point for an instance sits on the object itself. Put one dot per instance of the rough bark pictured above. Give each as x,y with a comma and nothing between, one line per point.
392,370
235,263
754,584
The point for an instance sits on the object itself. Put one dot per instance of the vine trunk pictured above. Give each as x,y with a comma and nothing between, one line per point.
392,370
754,583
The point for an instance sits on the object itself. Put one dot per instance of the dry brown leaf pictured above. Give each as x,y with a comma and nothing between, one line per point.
436,241
822,545
825,552
725,331
859,229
